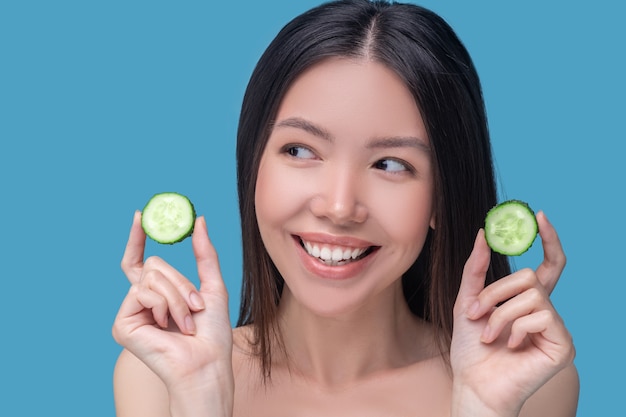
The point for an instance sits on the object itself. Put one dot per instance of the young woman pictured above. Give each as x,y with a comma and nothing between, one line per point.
365,173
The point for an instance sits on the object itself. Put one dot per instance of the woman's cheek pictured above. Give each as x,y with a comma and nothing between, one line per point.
405,213
278,192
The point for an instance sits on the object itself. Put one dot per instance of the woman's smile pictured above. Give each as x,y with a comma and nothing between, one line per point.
334,250
324,257
334,255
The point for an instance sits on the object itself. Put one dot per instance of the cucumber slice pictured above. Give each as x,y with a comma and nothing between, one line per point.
511,227
168,218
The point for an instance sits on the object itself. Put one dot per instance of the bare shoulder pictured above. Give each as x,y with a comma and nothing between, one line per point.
242,337
243,350
138,390
558,397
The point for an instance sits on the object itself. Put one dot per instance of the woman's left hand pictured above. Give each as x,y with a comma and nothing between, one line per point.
508,339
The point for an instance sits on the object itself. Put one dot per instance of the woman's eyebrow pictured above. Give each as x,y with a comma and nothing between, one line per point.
376,143
307,126
399,142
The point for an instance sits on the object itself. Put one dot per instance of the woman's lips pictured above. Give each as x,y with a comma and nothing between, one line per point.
333,257
332,254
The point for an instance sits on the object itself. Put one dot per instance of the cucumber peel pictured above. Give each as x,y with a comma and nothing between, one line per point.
168,218
511,227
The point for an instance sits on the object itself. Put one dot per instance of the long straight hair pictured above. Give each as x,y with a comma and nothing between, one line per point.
435,66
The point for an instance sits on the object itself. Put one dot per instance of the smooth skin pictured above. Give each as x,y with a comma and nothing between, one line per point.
353,347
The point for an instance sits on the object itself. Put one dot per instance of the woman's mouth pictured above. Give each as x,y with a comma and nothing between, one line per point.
335,255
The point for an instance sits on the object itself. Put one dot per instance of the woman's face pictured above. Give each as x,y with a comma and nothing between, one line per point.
344,191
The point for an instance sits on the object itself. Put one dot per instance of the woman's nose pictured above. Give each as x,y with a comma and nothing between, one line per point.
340,198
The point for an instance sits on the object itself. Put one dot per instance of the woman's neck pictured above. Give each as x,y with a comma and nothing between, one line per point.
341,351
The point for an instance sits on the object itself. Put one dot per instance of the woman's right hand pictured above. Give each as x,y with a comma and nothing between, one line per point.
182,334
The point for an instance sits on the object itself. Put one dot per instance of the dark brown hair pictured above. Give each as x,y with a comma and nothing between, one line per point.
435,66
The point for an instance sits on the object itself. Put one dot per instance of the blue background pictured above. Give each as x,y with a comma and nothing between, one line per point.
103,104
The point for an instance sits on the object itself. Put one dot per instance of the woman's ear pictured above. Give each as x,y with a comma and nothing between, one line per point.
432,222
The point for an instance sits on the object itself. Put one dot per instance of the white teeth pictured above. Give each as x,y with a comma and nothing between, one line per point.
333,256
337,255
312,250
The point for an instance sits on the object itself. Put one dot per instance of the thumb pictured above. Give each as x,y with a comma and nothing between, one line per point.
474,274
206,259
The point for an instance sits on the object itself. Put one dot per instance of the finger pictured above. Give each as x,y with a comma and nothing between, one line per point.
528,302
557,341
474,274
554,258
184,287
156,303
505,289
175,302
144,307
132,261
206,258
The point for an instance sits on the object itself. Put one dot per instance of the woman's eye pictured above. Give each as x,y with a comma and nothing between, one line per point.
391,165
299,152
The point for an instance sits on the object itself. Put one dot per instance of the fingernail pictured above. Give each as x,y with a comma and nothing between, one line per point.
196,300
473,309
190,325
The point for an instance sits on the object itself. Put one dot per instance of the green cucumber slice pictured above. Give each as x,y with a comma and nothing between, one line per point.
511,227
168,218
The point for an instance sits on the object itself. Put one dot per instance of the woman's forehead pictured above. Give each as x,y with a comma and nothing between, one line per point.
339,95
